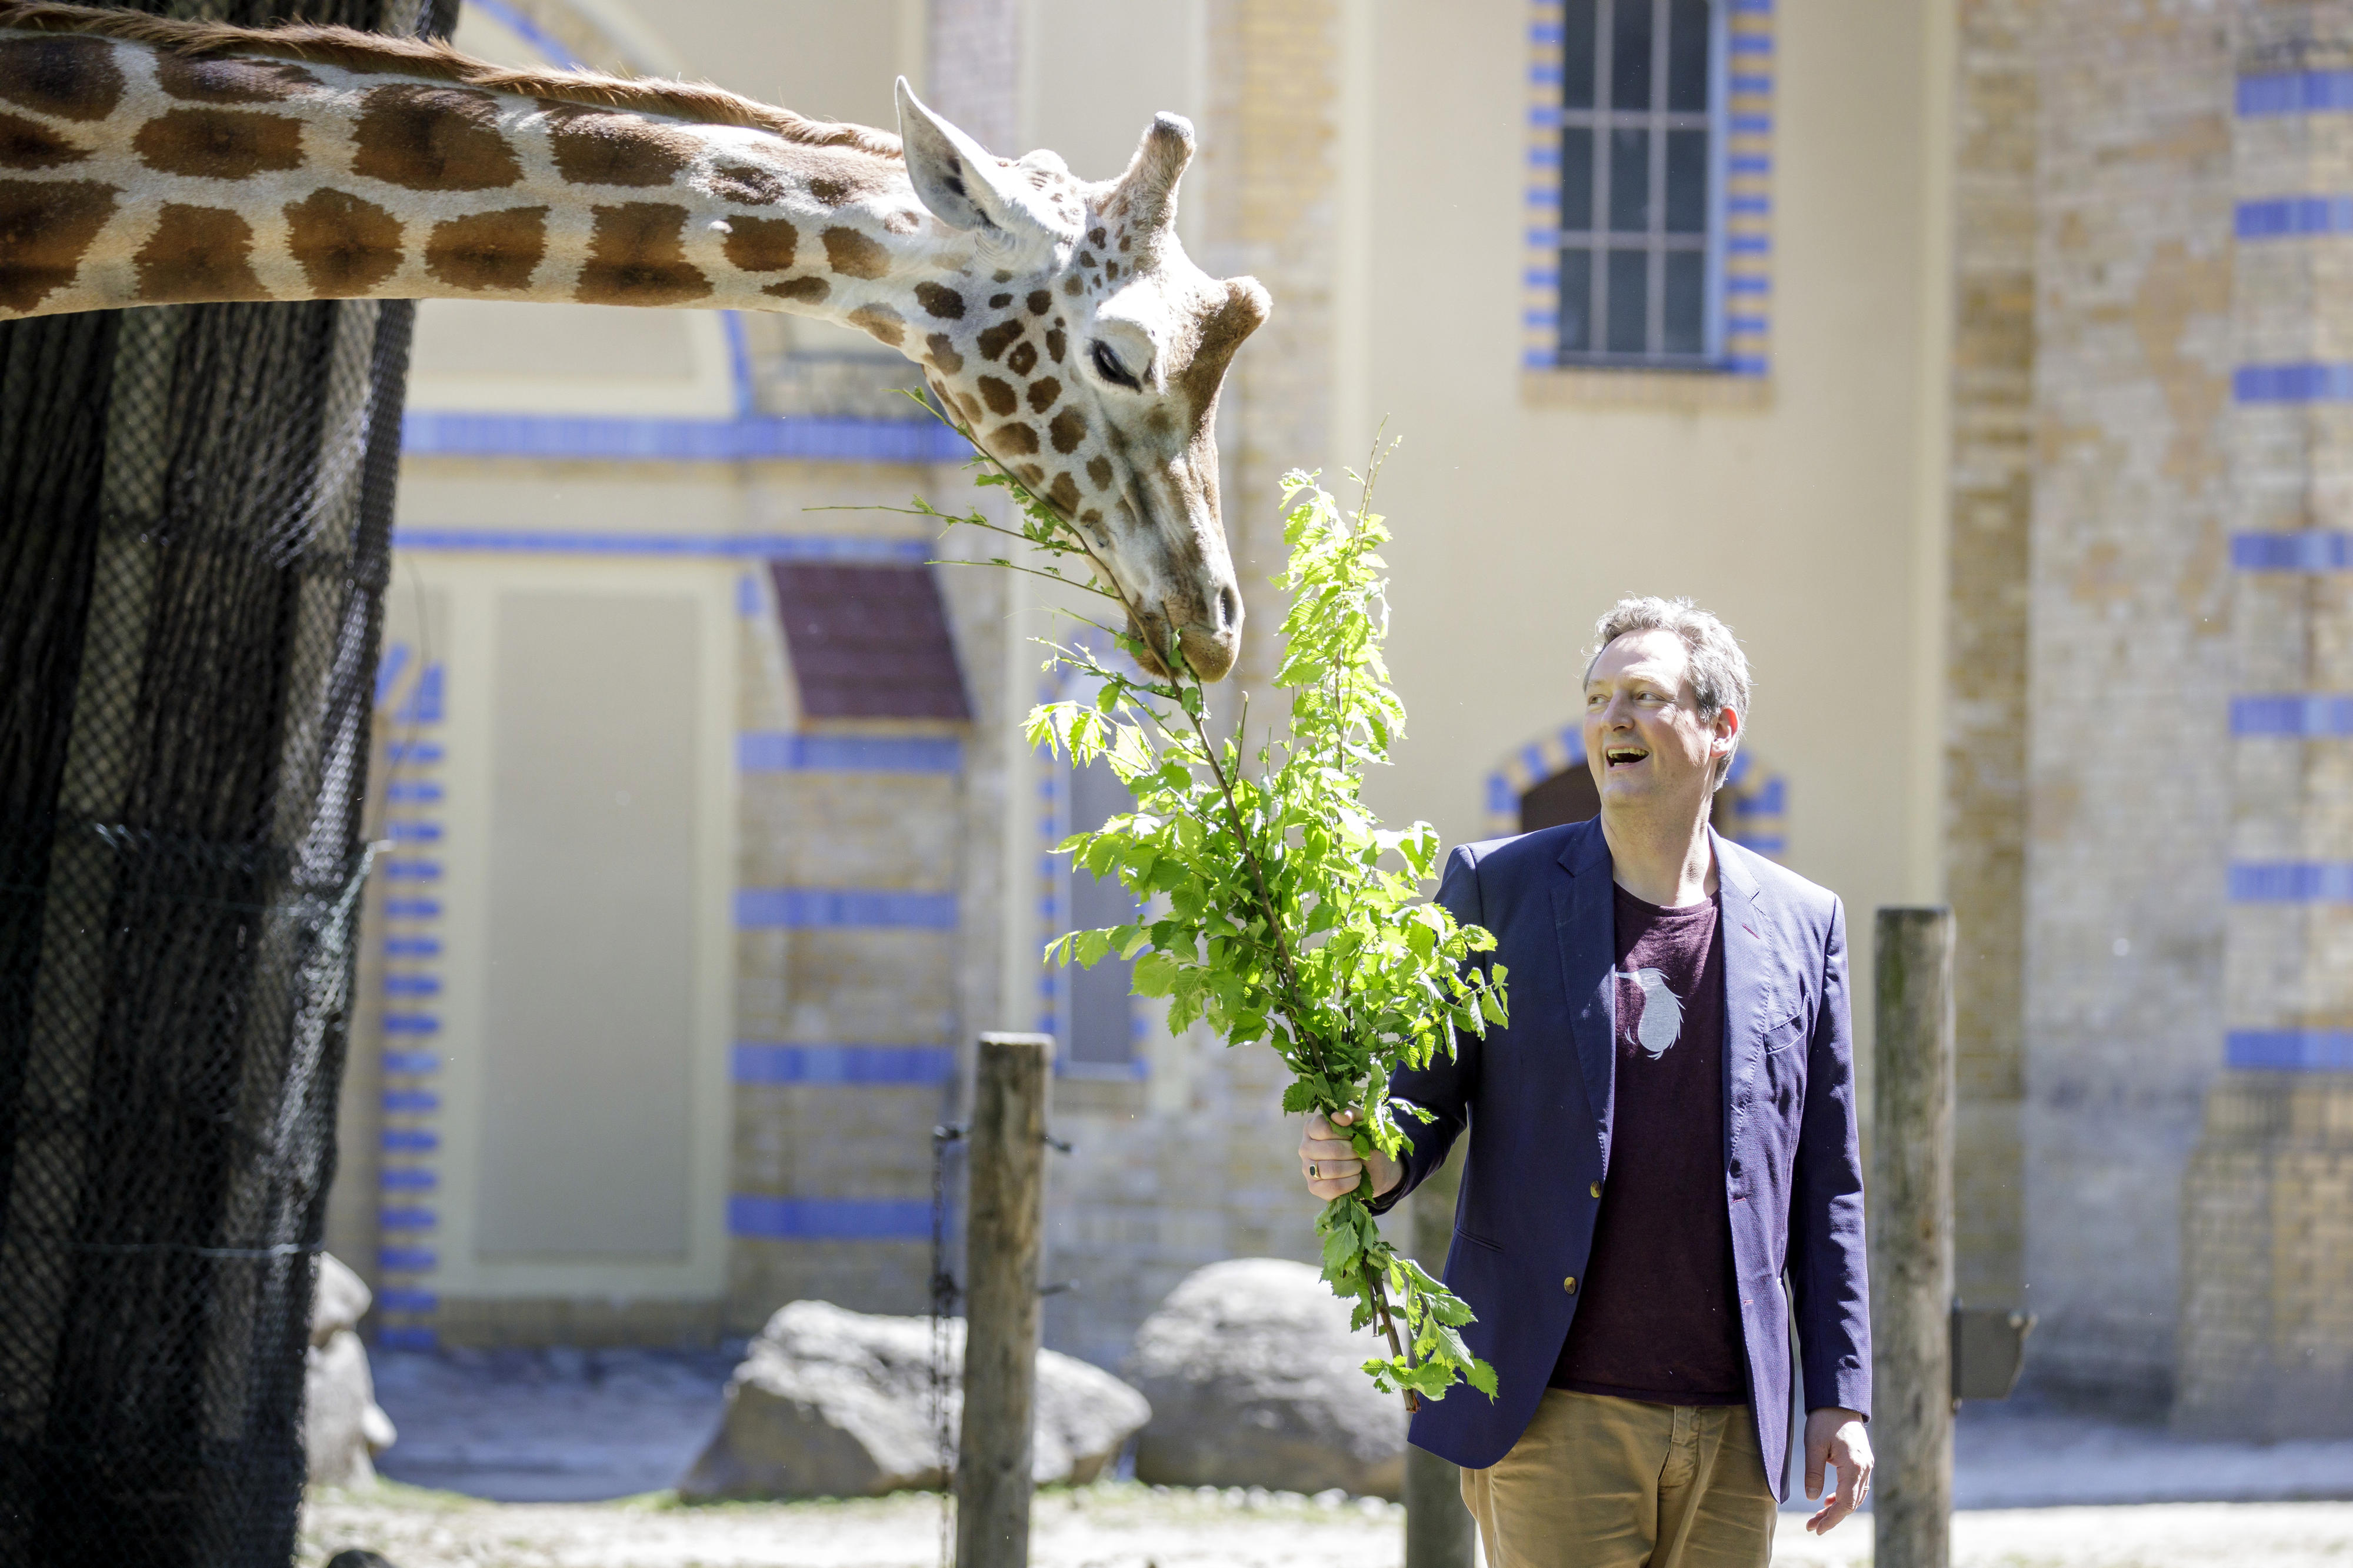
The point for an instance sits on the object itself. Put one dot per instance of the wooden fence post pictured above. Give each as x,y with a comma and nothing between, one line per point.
1439,1533
1910,1206
1006,1194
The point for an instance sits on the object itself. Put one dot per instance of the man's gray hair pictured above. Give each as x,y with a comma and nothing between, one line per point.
1719,671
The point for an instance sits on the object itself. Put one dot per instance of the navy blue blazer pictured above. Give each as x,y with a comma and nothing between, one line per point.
1536,1099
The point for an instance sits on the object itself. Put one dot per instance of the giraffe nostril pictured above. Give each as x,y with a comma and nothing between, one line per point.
1230,608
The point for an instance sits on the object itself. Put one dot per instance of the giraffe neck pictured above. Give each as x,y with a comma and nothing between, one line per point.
134,172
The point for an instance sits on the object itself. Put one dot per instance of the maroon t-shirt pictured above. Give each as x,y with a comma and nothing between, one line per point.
1658,1316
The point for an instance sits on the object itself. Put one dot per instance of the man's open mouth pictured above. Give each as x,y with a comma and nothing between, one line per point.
1624,757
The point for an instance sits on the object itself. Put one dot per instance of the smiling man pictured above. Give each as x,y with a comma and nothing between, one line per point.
1662,1142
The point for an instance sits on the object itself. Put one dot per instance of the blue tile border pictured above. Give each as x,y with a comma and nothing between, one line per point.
2295,549
2290,1050
802,909
796,547
764,1062
761,1217
814,438
2293,882
782,751
2313,713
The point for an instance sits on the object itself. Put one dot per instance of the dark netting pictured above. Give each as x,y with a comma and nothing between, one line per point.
196,506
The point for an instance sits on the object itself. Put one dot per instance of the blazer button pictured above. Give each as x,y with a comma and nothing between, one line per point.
1570,1284
1594,1189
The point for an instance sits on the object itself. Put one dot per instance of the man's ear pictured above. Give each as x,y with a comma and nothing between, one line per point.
964,186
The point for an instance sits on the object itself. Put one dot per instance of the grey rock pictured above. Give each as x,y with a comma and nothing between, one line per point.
343,1428
1255,1379
831,1402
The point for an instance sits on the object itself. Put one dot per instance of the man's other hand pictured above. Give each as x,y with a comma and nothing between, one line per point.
1331,1163
1836,1438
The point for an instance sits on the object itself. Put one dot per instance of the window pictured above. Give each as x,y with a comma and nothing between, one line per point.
1646,157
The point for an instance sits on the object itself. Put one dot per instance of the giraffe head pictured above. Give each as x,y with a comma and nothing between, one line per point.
1085,349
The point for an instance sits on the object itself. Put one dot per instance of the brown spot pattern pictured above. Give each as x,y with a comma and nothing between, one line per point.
943,353
1096,237
880,322
828,192
488,250
1064,494
220,143
1055,343
346,247
1022,359
1017,438
992,343
637,255
1068,428
855,255
747,186
939,300
1032,474
901,221
999,301
30,144
808,290
1071,285
231,82
433,139
69,79
999,395
1042,395
198,256
1091,517
594,147
45,227
1098,470
1040,302
761,244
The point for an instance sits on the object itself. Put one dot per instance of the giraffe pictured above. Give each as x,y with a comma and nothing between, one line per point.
146,160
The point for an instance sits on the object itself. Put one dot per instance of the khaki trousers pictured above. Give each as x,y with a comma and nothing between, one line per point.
1596,1482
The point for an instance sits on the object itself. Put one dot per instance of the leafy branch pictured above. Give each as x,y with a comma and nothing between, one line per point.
1274,905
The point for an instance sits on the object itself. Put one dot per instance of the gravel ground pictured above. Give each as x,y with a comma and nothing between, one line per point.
1123,1525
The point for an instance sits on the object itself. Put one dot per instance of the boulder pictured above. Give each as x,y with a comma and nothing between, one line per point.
831,1402
343,1428
1255,1379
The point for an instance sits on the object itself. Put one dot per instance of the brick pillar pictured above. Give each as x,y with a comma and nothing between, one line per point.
2266,1347
1990,493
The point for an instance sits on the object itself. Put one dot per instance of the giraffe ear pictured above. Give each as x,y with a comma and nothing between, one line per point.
1149,186
962,185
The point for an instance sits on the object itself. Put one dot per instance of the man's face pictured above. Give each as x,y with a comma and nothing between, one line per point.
1644,740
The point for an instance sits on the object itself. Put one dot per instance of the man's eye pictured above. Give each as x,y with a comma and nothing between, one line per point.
1110,367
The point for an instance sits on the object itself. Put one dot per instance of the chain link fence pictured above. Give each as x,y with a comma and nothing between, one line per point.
196,506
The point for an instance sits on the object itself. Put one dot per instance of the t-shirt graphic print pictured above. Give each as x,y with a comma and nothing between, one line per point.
1657,1313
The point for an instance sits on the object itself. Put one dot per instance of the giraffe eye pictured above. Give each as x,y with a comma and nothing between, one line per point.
1109,366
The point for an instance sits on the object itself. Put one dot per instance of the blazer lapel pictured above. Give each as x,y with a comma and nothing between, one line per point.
1748,973
1584,934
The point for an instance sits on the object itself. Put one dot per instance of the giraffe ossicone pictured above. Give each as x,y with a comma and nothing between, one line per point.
145,161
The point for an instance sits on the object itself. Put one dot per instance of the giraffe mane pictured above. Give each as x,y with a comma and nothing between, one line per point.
355,50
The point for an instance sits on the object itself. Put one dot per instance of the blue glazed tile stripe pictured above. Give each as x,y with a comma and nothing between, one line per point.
2286,216
769,1218
795,547
2313,713
801,909
2293,882
760,1062
2310,383
2296,92
2291,1050
428,434
2300,549
778,751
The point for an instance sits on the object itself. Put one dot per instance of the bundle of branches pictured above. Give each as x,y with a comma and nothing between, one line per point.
1276,908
